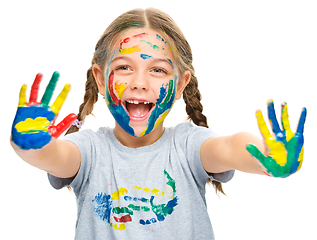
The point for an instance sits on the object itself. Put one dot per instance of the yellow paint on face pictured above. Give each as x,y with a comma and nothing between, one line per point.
120,192
130,50
36,125
120,89
159,121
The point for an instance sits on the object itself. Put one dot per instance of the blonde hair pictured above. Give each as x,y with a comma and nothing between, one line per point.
156,20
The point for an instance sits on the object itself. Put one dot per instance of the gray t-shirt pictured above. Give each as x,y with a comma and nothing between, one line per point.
151,192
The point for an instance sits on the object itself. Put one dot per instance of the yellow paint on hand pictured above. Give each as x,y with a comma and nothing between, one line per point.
130,50
22,97
120,192
300,158
120,89
277,149
286,125
57,105
29,124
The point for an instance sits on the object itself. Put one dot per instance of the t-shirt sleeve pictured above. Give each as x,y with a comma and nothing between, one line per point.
193,138
84,143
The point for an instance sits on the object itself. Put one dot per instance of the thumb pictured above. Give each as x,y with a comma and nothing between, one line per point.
56,131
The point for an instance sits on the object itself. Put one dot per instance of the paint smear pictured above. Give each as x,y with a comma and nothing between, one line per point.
32,125
145,56
120,192
155,47
130,50
126,218
104,206
120,89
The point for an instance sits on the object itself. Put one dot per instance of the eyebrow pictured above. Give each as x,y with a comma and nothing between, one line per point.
166,60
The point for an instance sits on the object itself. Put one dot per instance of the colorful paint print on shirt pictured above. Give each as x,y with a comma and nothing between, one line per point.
119,216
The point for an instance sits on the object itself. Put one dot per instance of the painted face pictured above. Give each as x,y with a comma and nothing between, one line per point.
141,81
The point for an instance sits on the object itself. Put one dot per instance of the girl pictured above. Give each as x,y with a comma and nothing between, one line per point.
141,180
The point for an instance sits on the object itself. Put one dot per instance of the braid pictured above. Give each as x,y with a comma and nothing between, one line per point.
194,108
90,98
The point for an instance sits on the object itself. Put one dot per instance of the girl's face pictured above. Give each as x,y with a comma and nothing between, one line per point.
141,81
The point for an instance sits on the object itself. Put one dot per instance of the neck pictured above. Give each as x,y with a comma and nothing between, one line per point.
135,142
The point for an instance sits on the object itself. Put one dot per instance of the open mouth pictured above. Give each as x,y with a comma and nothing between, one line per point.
138,110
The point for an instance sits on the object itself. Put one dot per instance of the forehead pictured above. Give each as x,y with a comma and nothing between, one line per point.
143,39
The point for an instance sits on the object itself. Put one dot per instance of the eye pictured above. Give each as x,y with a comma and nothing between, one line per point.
159,70
124,68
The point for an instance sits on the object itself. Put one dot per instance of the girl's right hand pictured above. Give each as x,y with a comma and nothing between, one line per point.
33,125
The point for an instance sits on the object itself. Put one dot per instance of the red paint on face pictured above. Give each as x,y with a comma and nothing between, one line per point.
114,98
126,40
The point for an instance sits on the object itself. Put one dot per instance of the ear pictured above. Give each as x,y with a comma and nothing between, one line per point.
99,77
182,83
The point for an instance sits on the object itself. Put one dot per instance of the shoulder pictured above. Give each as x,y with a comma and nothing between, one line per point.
187,130
88,134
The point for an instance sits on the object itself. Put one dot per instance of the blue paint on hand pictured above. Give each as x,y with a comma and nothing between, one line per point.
32,139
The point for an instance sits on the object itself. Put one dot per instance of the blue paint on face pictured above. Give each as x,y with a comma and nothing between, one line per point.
160,38
121,117
145,56
117,110
160,107
104,206
35,139
170,61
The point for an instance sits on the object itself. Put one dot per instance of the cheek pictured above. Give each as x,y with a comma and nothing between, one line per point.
119,88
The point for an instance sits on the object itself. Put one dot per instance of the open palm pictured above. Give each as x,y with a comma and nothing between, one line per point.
284,152
33,125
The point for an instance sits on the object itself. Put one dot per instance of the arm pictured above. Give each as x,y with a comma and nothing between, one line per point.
34,135
225,153
278,156
59,158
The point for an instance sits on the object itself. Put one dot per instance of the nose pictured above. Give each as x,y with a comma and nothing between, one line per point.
139,82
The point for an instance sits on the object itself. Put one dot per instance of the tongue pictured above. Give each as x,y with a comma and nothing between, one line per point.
138,110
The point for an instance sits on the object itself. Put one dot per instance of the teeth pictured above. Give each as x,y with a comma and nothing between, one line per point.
136,102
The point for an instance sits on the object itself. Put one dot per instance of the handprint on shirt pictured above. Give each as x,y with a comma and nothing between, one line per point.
33,126
155,206
285,151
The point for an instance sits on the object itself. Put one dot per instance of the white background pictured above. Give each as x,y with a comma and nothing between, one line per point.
245,52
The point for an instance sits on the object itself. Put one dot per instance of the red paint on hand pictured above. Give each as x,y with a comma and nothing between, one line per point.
56,131
35,89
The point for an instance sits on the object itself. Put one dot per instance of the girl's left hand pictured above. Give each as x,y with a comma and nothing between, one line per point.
284,152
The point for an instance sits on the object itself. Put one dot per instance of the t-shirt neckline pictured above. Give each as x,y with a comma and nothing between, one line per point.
159,143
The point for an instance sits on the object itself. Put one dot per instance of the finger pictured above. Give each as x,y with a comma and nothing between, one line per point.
285,122
268,164
262,126
302,119
50,89
57,105
22,97
272,117
56,131
35,88
255,152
